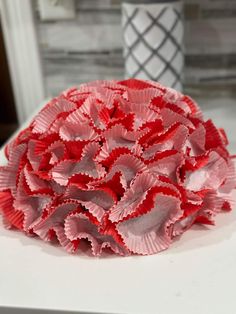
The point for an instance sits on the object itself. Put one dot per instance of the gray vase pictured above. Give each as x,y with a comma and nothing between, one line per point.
153,34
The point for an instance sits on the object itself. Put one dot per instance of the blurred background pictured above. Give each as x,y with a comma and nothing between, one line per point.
49,45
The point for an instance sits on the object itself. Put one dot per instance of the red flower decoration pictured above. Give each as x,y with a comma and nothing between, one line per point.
126,165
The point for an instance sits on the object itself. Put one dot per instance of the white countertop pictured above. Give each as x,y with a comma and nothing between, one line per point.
196,275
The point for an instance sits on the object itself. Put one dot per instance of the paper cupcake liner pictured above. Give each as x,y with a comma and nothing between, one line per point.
127,122
55,126
56,216
106,158
76,95
175,133
74,132
105,115
7,179
132,198
175,140
31,204
128,165
193,107
172,96
8,148
24,136
33,159
41,144
210,176
176,189
81,181
147,204
147,234
68,245
118,136
116,183
58,152
140,112
182,225
143,96
48,115
211,204
151,133
97,212
101,196
166,165
213,138
197,141
170,117
136,84
91,108
157,103
230,182
86,165
106,96
74,149
223,136
12,217
34,182
79,227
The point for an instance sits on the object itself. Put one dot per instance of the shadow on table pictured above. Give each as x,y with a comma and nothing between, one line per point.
12,310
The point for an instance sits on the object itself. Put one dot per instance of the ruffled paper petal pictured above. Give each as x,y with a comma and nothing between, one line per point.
9,173
166,164
174,140
49,114
12,217
170,117
29,203
74,132
102,197
148,234
230,182
213,138
141,97
129,166
78,226
118,136
210,176
54,218
132,197
136,84
190,107
196,141
66,169
34,182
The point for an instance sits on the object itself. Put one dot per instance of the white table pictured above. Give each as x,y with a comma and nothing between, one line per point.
197,275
